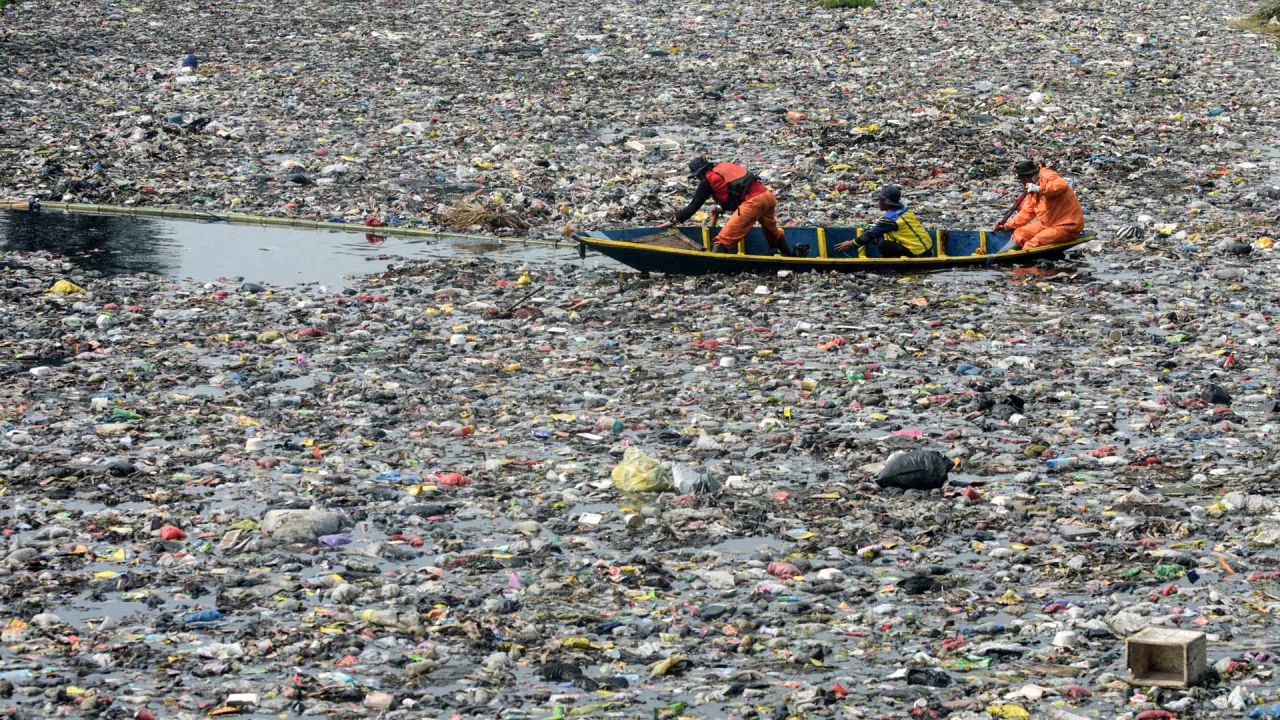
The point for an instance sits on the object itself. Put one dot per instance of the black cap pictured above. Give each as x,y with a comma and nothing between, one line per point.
1023,168
698,165
889,195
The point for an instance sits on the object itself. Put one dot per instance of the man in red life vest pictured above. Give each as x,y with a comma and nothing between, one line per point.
738,191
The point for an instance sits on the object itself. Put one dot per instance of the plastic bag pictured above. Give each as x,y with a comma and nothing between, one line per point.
688,480
65,287
915,470
640,473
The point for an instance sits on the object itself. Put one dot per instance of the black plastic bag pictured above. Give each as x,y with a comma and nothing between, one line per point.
915,470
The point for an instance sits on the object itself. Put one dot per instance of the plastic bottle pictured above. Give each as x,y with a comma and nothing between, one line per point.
1062,463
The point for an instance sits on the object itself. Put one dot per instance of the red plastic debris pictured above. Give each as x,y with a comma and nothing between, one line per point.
169,532
783,570
1075,692
452,479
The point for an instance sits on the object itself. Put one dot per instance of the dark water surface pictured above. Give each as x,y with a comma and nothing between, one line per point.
116,244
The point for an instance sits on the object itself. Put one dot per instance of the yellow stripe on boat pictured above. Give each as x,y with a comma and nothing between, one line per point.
822,242
742,260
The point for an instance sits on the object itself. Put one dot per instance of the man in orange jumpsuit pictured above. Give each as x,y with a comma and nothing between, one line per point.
739,191
1049,213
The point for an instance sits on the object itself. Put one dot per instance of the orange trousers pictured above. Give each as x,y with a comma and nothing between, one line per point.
757,208
1033,235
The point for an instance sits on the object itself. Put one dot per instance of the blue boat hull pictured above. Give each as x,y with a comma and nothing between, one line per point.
951,249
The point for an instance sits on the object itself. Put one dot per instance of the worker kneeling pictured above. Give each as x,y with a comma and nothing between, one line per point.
1049,213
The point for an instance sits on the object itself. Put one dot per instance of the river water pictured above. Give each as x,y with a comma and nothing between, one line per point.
115,244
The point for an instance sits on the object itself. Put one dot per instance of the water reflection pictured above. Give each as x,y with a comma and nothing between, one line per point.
105,243
113,244
478,247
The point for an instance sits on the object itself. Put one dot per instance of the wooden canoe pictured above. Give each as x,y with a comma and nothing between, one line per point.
683,251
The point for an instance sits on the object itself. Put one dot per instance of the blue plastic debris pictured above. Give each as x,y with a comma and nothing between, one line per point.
203,616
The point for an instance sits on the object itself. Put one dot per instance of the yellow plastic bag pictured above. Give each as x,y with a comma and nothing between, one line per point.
1007,711
65,287
640,473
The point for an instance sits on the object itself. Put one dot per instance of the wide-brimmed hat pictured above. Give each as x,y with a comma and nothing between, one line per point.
889,195
1024,168
697,165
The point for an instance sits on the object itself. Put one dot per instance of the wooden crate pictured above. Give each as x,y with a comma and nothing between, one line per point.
1165,658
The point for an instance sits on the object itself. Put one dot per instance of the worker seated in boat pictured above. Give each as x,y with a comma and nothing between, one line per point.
898,233
1049,213
738,191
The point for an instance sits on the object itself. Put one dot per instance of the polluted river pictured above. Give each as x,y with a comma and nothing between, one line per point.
267,472
490,486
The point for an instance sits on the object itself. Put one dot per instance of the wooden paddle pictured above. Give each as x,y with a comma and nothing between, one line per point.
1013,209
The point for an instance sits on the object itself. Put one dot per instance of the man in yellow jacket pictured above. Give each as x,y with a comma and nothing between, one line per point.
1049,213
898,233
